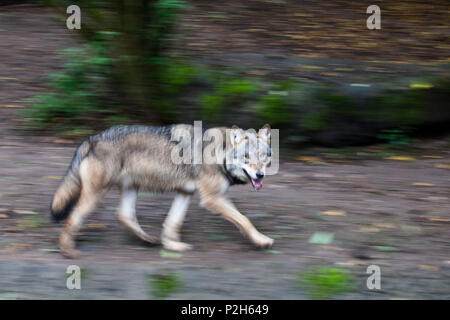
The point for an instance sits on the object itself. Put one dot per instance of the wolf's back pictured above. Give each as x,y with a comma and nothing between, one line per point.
69,190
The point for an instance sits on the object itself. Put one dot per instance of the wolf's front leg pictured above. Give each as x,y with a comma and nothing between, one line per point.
127,215
226,208
170,237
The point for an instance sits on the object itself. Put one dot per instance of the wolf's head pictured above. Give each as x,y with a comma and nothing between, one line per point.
249,154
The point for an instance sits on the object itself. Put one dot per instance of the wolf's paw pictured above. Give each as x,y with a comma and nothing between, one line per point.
150,239
263,241
67,246
175,245
70,253
170,234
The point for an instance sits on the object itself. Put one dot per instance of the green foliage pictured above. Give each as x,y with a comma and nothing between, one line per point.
338,102
177,75
173,77
396,137
169,76
326,282
315,121
163,285
227,93
75,90
274,107
274,110
402,108
212,106
236,88
116,119
409,107
134,65
163,18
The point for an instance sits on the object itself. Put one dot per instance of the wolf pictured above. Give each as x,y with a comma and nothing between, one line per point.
136,157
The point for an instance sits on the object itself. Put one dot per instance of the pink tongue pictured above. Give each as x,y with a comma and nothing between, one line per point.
257,184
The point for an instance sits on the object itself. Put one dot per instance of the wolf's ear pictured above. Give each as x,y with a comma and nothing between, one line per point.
264,132
236,135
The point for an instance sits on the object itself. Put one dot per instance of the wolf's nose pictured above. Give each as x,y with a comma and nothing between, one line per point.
259,174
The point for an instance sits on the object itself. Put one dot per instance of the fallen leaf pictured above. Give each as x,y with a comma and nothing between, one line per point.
320,163
321,238
168,254
344,69
50,250
96,225
8,178
297,37
9,296
145,194
435,199
24,212
439,219
385,225
28,224
421,85
52,177
369,229
285,227
429,267
273,251
330,74
308,159
345,264
423,184
280,236
400,158
334,213
443,166
350,263
313,67
339,161
3,216
432,157
59,164
385,248
63,141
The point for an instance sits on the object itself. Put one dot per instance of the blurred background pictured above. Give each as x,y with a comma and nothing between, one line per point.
364,127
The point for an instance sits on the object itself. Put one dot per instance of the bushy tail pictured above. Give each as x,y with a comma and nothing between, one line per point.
69,190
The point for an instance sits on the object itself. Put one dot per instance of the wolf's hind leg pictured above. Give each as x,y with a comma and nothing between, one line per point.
127,215
85,205
170,237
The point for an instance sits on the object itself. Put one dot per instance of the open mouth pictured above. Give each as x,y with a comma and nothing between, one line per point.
257,183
